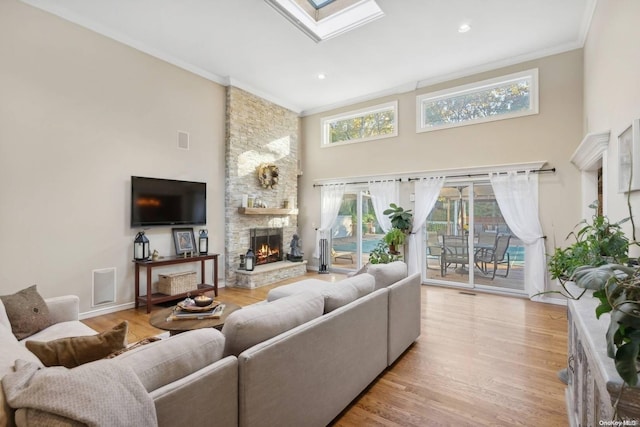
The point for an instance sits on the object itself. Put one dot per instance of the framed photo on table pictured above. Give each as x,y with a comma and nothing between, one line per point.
184,240
629,158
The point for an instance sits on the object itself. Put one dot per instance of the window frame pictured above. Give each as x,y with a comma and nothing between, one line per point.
326,121
484,85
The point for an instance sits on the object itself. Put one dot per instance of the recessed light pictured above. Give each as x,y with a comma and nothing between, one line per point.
322,76
464,28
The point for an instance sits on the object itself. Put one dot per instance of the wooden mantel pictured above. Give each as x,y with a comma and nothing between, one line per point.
267,211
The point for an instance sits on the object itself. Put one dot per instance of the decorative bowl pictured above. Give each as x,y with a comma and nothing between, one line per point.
203,300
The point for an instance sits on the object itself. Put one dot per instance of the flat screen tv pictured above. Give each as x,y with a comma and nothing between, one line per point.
157,201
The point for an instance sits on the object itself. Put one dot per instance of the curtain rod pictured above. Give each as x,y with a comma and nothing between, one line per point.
360,182
470,175
446,176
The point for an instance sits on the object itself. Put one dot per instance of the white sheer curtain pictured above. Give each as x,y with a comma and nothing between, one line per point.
517,197
383,193
330,200
426,191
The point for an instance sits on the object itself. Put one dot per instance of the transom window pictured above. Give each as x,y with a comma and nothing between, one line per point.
501,98
380,121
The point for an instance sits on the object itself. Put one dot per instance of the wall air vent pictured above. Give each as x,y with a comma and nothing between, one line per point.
183,140
104,286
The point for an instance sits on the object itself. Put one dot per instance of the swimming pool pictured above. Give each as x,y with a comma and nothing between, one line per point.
367,246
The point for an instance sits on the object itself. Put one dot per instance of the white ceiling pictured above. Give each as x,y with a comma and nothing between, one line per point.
248,44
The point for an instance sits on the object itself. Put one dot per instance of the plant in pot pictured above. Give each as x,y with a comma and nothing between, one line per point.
394,238
368,221
596,261
596,243
381,255
400,218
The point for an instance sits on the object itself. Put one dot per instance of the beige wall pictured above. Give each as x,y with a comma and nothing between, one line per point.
552,135
80,114
612,89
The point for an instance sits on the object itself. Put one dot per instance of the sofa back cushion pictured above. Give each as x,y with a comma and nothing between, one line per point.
4,320
346,291
259,322
296,288
11,351
165,361
387,274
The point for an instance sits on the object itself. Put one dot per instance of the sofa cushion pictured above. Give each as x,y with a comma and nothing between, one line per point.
27,312
252,325
4,320
296,288
168,360
387,274
336,296
346,291
11,351
75,351
72,328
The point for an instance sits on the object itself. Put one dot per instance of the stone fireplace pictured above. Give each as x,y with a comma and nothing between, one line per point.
266,244
260,133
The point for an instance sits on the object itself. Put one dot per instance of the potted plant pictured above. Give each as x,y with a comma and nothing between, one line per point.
596,243
368,221
394,238
400,218
596,261
381,255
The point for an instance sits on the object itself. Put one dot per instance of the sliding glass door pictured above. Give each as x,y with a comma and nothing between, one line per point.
355,233
468,242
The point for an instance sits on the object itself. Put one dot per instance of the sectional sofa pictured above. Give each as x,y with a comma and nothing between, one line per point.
298,358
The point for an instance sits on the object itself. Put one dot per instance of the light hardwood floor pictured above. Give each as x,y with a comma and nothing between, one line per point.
481,360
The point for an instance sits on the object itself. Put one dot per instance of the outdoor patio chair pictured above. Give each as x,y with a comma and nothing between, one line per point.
434,247
485,258
341,255
455,251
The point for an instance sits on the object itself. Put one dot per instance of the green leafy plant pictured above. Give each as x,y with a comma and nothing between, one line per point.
596,261
394,238
596,243
400,218
381,255
617,287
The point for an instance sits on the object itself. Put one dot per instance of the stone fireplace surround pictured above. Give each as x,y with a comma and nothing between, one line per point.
258,132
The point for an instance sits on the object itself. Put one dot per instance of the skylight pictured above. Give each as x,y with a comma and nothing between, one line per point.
323,19
319,4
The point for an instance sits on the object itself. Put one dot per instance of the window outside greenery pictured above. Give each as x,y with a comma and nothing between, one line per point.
371,123
496,99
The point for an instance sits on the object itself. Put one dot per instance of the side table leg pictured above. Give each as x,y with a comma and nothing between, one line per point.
148,289
137,286
215,275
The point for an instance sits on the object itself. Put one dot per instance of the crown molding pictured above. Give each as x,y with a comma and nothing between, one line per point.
590,150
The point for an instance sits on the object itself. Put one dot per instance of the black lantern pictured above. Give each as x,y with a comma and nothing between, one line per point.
141,247
203,242
250,260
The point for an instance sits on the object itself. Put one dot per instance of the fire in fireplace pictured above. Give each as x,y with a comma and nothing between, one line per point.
266,244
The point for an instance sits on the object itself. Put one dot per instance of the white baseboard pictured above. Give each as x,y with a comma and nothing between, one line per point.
119,307
549,300
106,310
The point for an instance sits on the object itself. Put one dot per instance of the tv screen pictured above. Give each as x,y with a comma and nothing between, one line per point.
157,201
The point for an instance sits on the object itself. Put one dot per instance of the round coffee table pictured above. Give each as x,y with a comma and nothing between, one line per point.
160,319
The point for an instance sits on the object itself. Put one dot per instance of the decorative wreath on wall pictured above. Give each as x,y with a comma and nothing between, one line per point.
268,175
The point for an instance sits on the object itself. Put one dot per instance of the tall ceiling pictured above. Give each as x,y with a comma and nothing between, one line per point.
248,44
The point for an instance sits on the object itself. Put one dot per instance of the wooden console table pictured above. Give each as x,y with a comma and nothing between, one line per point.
149,299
